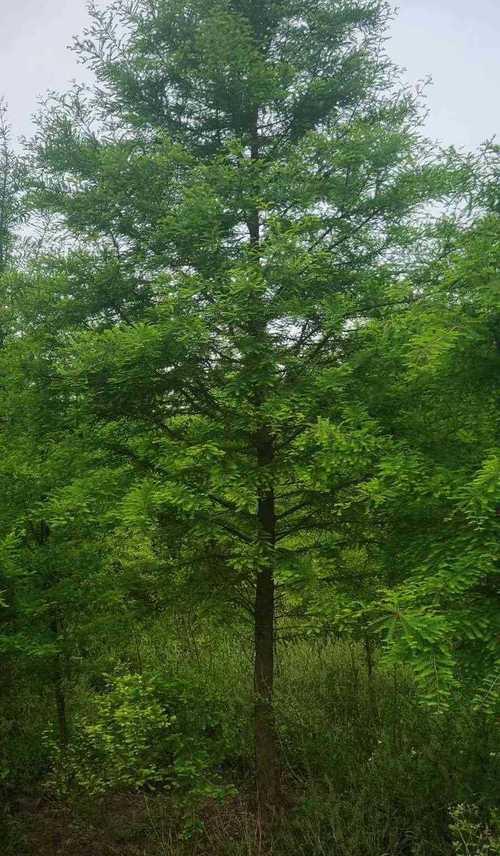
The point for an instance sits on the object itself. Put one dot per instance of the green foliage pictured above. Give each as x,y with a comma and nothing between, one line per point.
253,255
141,732
252,374
367,769
470,838
11,181
122,744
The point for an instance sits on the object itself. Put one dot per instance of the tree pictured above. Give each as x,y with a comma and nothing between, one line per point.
10,186
53,504
438,499
244,190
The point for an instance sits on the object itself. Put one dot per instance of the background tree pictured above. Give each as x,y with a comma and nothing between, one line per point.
53,504
10,185
441,498
426,557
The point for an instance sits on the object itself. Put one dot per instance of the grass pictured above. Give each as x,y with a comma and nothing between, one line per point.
367,771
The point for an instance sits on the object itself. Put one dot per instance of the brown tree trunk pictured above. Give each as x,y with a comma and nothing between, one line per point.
369,657
266,741
369,646
41,535
60,699
59,689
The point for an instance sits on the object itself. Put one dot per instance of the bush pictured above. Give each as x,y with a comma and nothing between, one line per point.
142,733
128,741
469,836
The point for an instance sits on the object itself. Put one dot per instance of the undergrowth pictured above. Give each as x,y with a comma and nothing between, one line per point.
159,759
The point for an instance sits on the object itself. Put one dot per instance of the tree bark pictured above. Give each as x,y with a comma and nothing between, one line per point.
369,645
59,690
266,741
60,699
369,657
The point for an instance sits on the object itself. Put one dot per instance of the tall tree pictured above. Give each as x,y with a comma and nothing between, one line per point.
10,185
423,566
245,188
432,378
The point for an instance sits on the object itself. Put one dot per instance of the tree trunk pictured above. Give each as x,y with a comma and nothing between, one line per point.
60,699
369,645
266,741
369,657
59,690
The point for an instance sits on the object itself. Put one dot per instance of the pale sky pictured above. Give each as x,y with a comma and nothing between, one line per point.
454,41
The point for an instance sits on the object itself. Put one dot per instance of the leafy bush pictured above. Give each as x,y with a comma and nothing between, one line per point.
469,836
132,738
127,741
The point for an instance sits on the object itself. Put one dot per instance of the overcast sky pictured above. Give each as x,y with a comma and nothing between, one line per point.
454,41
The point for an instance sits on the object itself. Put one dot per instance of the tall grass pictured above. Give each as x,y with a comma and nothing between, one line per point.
367,770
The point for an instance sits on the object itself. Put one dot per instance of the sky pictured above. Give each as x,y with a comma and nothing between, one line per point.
453,41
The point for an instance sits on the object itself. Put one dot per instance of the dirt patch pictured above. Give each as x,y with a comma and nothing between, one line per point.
130,825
